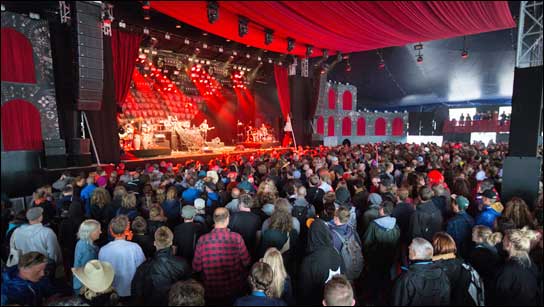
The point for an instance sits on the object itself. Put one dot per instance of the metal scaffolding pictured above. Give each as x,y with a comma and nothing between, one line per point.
529,50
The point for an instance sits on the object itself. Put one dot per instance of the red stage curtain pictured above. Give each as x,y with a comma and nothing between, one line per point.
21,126
361,126
282,84
346,126
17,57
320,125
347,101
346,26
332,99
330,126
124,49
379,126
397,126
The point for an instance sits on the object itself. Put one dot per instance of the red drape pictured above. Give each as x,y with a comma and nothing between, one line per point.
361,126
346,126
320,125
397,126
347,26
347,101
17,57
282,84
379,126
124,49
330,126
332,99
21,126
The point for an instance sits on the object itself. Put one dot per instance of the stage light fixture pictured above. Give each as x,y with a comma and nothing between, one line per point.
290,44
146,31
176,72
242,26
3,8
309,50
142,56
146,51
419,59
146,5
146,15
234,53
205,46
269,61
259,58
36,16
154,52
122,24
213,11
197,50
208,62
418,46
248,55
220,49
167,36
268,36
178,26
464,54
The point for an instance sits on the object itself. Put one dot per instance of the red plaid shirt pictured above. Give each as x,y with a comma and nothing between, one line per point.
222,257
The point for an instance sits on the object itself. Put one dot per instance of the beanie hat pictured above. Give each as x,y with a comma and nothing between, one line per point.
342,196
374,199
462,202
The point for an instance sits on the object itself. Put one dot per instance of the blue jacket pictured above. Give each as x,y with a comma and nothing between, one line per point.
212,197
460,229
190,195
487,217
258,299
16,290
83,254
346,231
171,208
86,194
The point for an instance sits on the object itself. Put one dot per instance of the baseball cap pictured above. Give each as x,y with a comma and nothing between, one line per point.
34,213
296,174
188,212
480,176
200,204
462,202
489,194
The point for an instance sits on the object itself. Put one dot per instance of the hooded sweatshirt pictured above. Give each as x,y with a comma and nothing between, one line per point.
321,264
489,215
380,243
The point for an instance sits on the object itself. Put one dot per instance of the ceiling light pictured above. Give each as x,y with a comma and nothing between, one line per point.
167,36
36,16
178,26
187,42
205,34
220,49
259,58
420,59
122,24
234,53
154,52
146,31
464,54
248,55
269,60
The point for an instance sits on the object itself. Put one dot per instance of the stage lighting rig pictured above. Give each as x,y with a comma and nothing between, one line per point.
464,54
268,36
242,26
213,11
309,50
290,44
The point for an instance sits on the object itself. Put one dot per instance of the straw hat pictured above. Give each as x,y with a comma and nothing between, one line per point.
96,275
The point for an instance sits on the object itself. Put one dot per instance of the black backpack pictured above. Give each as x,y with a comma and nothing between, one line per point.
301,214
433,289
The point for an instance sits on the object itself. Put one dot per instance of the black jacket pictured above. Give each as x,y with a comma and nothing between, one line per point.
459,281
322,262
424,284
186,236
402,212
380,244
146,243
518,285
155,276
425,222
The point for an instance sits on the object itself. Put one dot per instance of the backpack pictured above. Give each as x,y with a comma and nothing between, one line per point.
476,286
352,254
301,213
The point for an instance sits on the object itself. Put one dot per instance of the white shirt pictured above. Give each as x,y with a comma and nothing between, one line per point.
125,257
37,238
325,187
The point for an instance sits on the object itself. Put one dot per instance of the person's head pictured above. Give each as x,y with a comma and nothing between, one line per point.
100,197
301,192
420,249
438,190
443,244
517,242
518,211
119,226
34,215
484,235
389,167
425,193
261,277
235,193
221,217
163,238
68,190
246,202
90,180
139,225
489,197
460,204
386,208
89,231
338,292
129,201
155,213
376,181
341,217
358,184
32,266
188,213
97,279
172,193
186,293
119,192
274,258
314,181
281,219
403,194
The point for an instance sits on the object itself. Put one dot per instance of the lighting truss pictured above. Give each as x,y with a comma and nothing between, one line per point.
529,49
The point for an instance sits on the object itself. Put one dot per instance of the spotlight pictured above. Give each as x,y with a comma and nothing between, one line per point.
146,5
146,31
268,36
381,66
269,61
178,26
36,16
309,50
167,36
187,42
248,55
420,59
142,56
197,50
242,26
3,8
464,54
205,34
213,11
280,63
205,46
146,50
234,53
208,62
146,15
154,52
220,49
418,46
290,44
259,58
122,24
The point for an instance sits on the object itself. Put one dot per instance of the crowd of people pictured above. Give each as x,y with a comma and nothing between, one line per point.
503,117
374,224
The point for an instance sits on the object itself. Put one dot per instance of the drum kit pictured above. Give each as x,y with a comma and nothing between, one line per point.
263,134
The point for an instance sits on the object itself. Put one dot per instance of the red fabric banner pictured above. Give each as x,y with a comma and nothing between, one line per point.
21,126
346,26
397,128
17,57
347,101
124,49
361,126
282,84
379,126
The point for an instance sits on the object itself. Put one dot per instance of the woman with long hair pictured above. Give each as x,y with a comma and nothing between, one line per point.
519,212
281,284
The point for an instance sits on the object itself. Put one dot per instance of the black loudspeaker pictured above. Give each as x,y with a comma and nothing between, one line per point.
55,147
56,161
81,146
526,111
89,57
520,178
413,123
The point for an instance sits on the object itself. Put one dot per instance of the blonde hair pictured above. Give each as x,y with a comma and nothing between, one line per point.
485,235
129,201
274,258
518,211
171,193
119,192
518,244
90,294
100,197
86,229
163,237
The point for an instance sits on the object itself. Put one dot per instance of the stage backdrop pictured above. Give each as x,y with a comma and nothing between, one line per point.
337,118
